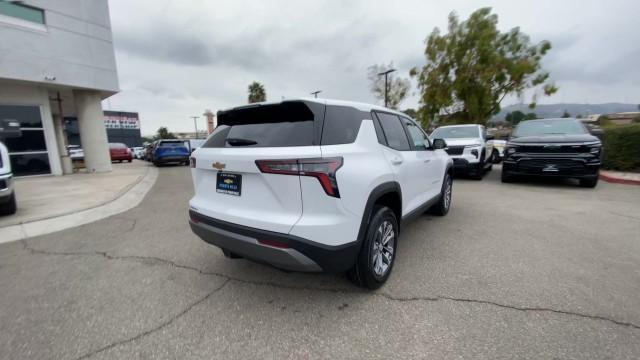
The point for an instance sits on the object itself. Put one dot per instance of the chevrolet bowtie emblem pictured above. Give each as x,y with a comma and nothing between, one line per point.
228,181
218,165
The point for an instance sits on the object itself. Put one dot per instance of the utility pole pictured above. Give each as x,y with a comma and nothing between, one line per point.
195,124
315,93
386,83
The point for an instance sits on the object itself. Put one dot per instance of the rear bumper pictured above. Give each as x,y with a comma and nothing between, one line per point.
287,252
171,159
551,167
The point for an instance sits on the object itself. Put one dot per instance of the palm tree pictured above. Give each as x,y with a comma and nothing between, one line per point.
257,92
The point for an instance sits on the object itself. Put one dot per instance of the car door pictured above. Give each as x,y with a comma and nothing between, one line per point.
432,169
408,168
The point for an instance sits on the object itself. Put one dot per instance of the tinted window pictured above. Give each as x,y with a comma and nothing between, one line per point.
172,144
393,131
341,124
27,116
455,132
285,124
417,136
30,164
31,140
549,127
23,12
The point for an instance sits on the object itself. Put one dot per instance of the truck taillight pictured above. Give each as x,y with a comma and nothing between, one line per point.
323,169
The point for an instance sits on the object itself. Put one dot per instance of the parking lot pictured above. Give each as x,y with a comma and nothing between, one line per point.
538,270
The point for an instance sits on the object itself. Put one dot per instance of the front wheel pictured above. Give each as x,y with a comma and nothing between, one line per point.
375,261
10,207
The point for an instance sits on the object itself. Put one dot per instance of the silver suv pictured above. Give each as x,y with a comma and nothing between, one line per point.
469,147
7,195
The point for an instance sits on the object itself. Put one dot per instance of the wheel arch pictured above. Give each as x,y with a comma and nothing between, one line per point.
388,194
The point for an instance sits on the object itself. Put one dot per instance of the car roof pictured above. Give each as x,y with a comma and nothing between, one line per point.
358,105
460,125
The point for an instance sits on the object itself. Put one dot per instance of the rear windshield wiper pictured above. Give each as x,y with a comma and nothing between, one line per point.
240,142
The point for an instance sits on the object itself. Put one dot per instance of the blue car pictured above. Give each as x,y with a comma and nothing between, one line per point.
171,151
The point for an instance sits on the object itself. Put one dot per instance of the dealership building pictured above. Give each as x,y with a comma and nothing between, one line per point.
122,127
56,63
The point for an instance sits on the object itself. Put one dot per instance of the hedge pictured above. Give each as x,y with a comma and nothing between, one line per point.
622,147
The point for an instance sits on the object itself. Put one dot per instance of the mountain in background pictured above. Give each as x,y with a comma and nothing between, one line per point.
556,110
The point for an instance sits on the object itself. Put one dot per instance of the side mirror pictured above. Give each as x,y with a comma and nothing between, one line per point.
490,137
439,144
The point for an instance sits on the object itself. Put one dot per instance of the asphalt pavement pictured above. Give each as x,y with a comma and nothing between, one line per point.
543,270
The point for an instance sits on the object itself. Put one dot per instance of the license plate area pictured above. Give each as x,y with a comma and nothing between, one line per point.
230,184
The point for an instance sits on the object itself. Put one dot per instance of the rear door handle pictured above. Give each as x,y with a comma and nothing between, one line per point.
396,161
427,160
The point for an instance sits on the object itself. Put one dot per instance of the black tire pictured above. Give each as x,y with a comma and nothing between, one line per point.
495,156
441,208
364,271
157,164
506,177
10,207
589,182
129,160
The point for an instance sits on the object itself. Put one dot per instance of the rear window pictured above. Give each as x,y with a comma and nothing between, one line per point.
277,125
172,144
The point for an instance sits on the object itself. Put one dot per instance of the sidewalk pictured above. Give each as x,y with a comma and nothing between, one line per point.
619,177
52,203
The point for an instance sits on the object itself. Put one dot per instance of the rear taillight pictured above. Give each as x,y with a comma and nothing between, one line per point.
323,169
192,162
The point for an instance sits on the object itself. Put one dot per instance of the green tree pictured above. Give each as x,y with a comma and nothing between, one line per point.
531,116
515,117
410,113
473,67
566,114
257,93
397,87
164,133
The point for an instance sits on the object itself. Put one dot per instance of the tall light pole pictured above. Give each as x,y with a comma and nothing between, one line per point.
195,124
386,84
315,93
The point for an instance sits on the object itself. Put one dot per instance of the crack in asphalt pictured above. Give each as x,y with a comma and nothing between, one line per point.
229,278
157,328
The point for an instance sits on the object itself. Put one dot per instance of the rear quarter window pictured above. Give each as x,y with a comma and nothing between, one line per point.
341,124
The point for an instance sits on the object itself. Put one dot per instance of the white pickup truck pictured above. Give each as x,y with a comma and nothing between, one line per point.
469,146
7,195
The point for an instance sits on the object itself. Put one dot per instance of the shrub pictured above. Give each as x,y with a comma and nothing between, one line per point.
622,147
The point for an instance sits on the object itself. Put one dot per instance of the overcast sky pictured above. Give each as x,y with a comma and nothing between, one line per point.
178,58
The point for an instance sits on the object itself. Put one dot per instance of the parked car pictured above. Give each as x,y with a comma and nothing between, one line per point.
497,153
553,148
138,152
7,193
75,152
469,147
170,151
316,185
120,152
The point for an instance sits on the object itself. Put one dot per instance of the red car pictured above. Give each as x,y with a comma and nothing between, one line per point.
120,152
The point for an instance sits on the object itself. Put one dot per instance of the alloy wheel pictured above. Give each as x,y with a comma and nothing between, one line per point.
383,247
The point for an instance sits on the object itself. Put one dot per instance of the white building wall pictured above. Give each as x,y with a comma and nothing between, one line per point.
75,46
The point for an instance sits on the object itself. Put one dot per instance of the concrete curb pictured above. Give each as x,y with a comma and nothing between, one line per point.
127,200
617,180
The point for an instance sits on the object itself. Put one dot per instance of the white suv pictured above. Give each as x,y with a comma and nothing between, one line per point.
469,147
316,185
7,195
